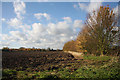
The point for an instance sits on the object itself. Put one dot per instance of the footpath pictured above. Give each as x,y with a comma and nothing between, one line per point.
77,55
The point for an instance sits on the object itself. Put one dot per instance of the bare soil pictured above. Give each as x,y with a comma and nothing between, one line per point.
37,61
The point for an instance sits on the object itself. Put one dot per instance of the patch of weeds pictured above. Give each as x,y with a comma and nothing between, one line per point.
9,74
41,74
22,74
93,72
64,73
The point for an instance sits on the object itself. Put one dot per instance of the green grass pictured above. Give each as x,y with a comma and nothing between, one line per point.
9,73
98,58
82,72
92,72
110,69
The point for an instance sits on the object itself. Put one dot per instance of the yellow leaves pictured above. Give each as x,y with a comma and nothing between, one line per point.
81,40
101,7
104,8
92,37
108,8
111,12
70,46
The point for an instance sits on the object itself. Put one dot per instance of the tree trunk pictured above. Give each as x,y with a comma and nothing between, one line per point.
101,53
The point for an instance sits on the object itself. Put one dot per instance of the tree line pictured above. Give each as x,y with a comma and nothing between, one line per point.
29,49
100,34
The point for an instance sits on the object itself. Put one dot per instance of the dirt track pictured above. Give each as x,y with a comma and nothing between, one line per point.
77,55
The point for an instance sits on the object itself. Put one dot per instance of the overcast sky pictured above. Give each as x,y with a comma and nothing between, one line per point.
44,24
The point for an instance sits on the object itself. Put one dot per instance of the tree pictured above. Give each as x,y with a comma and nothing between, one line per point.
5,49
48,49
97,33
22,48
81,40
70,46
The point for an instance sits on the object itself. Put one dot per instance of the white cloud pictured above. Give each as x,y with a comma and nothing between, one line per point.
63,31
59,28
116,11
52,35
4,44
5,37
75,6
88,8
25,27
14,38
68,19
37,29
19,8
18,35
3,19
15,22
39,16
78,24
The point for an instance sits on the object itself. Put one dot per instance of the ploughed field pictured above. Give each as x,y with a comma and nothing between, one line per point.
57,64
36,60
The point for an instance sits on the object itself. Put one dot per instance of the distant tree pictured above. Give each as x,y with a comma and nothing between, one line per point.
52,49
22,48
5,49
39,49
43,49
33,48
58,49
48,49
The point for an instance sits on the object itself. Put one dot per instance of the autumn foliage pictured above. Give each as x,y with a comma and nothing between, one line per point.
70,46
96,37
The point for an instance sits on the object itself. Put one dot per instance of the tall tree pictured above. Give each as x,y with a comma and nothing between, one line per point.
98,31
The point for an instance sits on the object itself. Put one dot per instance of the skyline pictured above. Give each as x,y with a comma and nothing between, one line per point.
43,25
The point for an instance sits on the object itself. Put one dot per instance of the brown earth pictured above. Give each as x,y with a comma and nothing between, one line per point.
38,61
